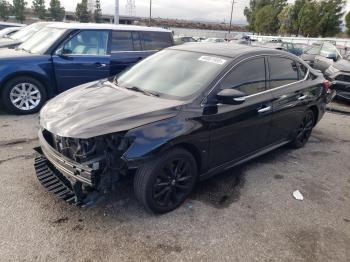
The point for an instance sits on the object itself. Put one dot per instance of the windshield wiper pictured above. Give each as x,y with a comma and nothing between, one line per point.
137,89
25,50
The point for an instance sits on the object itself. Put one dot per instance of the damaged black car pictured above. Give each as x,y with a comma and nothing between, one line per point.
182,115
339,75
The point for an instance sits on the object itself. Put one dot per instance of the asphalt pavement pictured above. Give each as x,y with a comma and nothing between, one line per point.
245,214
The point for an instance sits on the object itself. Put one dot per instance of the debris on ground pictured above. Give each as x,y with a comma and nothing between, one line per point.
297,195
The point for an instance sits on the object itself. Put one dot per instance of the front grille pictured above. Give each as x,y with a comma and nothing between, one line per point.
53,181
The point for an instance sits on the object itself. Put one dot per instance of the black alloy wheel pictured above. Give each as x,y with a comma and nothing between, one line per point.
163,184
304,131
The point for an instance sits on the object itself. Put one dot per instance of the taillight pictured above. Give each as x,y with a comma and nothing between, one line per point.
326,85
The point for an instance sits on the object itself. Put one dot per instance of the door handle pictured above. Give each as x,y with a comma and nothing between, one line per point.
303,97
265,109
100,65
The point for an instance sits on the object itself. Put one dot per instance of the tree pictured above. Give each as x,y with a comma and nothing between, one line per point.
18,9
255,6
347,23
4,10
39,8
56,11
295,18
330,18
308,19
98,12
265,20
82,13
285,20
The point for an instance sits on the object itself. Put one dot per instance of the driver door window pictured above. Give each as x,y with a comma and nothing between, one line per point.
249,77
87,43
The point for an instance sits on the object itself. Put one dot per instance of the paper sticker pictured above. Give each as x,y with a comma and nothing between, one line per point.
212,59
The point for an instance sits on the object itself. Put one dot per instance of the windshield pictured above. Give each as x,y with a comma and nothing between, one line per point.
313,50
42,40
174,74
25,33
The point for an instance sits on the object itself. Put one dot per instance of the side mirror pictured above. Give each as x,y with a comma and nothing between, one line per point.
231,97
61,52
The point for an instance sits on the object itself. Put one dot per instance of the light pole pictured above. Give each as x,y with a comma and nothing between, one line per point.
229,31
116,12
150,12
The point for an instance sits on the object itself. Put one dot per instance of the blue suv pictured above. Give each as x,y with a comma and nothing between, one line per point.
62,56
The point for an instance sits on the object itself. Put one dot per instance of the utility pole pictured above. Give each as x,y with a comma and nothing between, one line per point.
229,31
116,12
150,12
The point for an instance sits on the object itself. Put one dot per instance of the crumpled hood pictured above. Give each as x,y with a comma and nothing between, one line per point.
100,108
342,65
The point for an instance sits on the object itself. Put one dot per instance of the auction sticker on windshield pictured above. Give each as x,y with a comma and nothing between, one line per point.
212,59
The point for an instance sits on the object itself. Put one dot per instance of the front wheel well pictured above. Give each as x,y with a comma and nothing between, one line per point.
39,79
194,151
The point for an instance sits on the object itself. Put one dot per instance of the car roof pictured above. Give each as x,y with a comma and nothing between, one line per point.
92,26
227,49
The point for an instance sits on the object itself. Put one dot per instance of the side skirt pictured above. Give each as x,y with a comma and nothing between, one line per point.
216,170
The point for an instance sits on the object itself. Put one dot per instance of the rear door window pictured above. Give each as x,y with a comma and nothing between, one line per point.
156,40
248,77
283,71
122,41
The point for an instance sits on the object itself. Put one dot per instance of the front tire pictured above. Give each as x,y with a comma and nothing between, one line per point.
163,184
304,130
23,95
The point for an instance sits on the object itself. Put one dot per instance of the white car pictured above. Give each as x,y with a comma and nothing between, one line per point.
9,31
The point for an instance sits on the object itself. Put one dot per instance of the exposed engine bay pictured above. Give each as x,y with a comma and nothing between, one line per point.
102,155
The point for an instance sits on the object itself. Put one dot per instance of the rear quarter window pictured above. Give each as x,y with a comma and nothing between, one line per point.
283,71
156,40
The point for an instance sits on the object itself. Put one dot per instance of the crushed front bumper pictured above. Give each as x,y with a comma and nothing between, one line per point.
63,177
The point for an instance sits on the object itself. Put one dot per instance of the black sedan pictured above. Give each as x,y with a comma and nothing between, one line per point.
182,115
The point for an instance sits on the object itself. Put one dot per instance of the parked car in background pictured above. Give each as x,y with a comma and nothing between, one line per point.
22,35
179,40
339,74
214,40
6,32
6,24
62,56
321,55
182,115
241,39
343,50
285,46
302,46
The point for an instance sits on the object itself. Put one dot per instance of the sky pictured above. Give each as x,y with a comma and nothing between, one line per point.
215,10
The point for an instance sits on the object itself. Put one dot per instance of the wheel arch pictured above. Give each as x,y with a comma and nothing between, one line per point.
38,77
194,151
315,111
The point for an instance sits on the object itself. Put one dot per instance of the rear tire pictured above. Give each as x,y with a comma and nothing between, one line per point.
304,130
163,184
23,95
